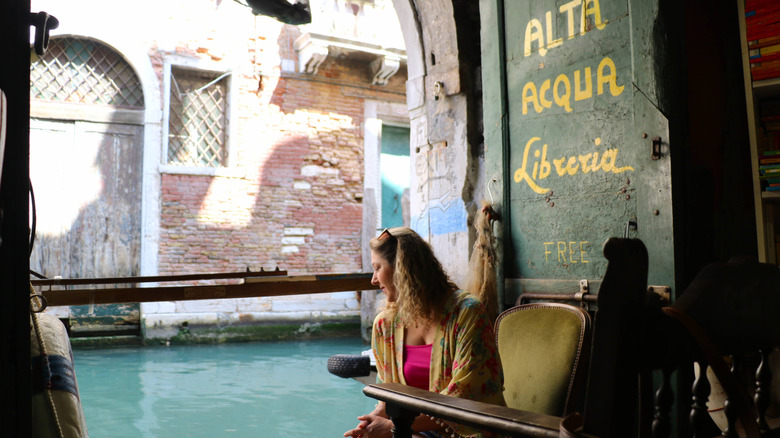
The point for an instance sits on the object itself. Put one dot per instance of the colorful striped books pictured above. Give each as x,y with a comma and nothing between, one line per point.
762,22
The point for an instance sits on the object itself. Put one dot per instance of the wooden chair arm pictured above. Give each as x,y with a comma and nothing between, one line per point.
403,403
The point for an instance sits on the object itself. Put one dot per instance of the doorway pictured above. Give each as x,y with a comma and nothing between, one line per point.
395,168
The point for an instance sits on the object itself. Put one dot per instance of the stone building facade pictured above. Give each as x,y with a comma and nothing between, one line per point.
300,112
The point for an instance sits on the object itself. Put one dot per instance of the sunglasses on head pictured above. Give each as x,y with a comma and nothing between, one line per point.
394,232
384,234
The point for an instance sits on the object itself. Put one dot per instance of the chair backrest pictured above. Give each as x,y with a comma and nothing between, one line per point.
543,349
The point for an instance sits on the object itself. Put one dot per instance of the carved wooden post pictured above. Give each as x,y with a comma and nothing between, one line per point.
730,408
701,392
402,420
763,381
664,397
610,405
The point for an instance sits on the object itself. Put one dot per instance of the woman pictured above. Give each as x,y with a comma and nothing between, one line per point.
430,335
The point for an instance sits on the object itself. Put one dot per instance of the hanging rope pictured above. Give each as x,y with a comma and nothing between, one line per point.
38,307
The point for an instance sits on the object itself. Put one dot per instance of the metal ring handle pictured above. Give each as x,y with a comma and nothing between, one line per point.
38,306
43,23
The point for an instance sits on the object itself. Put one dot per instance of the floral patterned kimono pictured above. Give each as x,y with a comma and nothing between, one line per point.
464,360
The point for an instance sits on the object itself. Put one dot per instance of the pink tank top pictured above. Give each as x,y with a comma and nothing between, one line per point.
417,365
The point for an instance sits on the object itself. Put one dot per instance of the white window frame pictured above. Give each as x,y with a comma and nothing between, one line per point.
375,115
232,120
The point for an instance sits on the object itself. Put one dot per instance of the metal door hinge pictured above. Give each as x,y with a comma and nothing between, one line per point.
631,225
580,296
655,148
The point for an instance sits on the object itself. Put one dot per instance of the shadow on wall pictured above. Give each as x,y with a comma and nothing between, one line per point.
294,212
294,200
298,210
87,182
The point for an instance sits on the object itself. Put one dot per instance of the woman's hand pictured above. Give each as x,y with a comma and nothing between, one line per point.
372,426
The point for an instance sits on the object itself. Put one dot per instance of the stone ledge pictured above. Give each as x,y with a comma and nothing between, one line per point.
242,327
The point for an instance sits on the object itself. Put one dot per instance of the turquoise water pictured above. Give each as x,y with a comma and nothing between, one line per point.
233,390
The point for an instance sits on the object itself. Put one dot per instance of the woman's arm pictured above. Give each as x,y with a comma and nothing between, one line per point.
476,370
425,423
377,424
381,345
472,369
421,423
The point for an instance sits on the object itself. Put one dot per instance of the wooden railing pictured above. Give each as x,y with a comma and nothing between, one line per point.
80,291
403,403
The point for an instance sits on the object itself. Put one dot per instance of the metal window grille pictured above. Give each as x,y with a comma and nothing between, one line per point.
79,70
197,124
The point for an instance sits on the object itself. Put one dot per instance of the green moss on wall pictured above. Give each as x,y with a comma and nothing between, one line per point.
217,335
212,335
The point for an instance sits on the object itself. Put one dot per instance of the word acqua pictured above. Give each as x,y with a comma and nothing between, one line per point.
606,74
536,33
564,166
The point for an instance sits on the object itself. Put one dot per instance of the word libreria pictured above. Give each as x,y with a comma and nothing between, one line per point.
534,169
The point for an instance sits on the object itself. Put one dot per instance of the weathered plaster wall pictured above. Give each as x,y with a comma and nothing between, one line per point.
445,137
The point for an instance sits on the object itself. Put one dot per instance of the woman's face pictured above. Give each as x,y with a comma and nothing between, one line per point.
383,275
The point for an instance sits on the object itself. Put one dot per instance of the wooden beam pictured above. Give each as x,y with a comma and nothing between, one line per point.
251,287
153,278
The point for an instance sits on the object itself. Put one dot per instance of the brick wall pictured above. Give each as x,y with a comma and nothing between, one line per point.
295,201
292,198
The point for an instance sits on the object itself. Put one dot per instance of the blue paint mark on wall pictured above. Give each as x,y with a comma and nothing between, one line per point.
436,221
451,220
419,223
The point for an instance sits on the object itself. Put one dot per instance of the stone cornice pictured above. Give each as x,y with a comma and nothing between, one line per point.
314,48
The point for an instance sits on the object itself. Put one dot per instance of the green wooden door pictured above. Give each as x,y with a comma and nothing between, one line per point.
395,173
571,119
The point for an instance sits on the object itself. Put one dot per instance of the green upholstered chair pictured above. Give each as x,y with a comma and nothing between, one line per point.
543,349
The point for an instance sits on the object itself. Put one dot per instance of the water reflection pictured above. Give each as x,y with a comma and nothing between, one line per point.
257,390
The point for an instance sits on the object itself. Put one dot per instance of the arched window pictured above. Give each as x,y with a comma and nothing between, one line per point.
80,70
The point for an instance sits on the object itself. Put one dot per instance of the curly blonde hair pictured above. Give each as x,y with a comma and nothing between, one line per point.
422,287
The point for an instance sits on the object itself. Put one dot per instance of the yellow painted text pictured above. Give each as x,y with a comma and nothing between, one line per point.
541,34
560,89
535,165
566,252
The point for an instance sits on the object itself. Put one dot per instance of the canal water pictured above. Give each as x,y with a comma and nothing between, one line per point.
230,390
